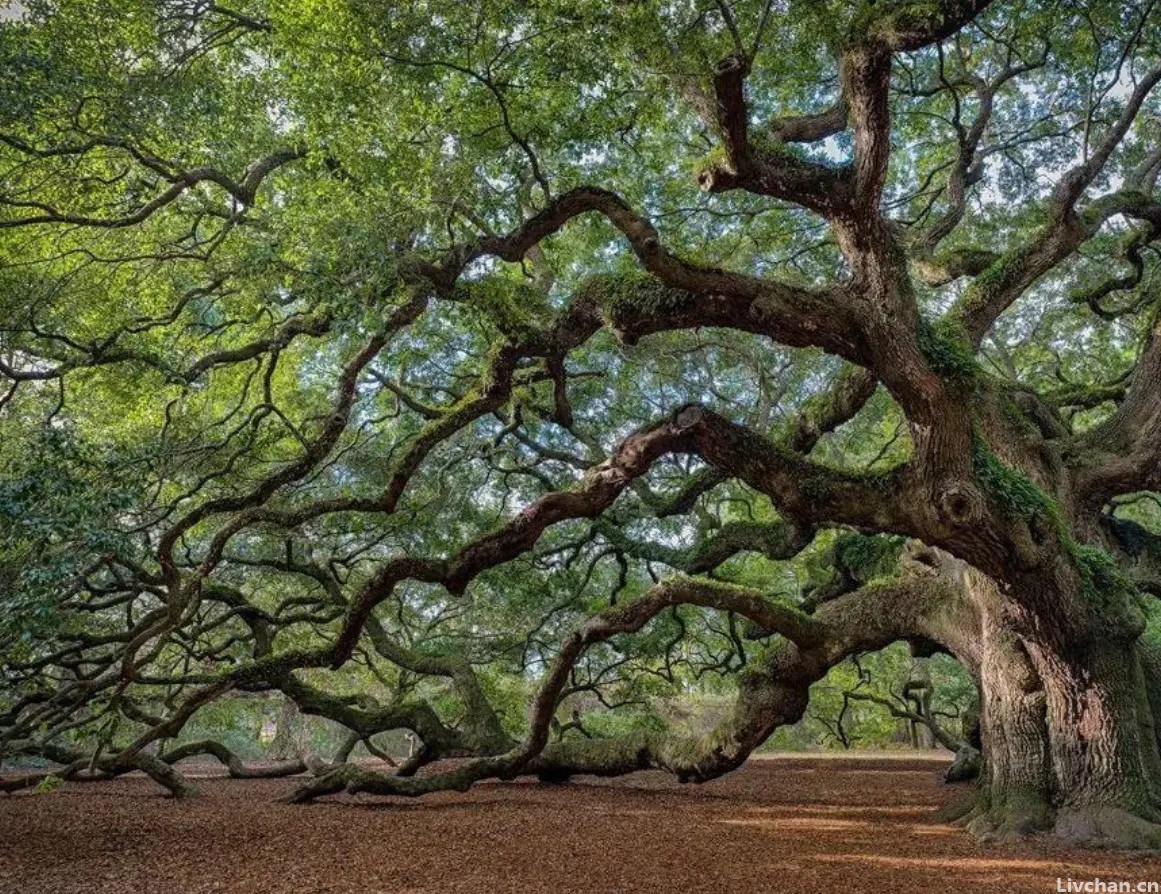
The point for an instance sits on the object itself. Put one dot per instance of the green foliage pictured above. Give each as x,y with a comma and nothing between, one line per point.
610,724
235,722
1103,580
57,497
514,307
49,784
866,724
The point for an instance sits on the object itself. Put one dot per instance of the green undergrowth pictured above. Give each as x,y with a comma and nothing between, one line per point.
49,784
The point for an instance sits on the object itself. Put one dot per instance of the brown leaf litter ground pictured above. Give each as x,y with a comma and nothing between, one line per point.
796,825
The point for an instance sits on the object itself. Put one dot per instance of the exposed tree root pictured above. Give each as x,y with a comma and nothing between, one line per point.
1016,816
1107,827
1019,816
966,766
78,766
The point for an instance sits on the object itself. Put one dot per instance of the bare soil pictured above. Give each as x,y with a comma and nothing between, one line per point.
782,825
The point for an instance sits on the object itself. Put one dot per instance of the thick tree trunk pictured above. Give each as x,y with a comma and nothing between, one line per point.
287,743
1014,783
1151,670
1105,769
1069,735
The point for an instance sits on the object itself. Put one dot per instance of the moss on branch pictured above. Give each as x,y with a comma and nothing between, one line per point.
1016,493
948,349
625,298
869,558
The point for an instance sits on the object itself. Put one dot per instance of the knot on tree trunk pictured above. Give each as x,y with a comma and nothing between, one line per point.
732,66
689,416
717,176
961,503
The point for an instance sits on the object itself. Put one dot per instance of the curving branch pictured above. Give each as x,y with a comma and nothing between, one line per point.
243,191
770,697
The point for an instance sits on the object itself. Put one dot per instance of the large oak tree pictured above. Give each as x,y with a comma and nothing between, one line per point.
390,356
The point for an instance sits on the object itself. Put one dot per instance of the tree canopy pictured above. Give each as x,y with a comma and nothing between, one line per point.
488,370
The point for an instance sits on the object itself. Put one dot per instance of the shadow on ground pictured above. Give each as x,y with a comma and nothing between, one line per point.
783,825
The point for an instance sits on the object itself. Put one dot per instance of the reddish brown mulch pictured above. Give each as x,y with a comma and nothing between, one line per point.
793,825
